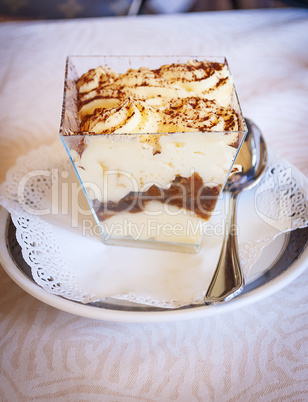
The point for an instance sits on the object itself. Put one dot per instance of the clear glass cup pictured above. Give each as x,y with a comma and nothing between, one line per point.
152,190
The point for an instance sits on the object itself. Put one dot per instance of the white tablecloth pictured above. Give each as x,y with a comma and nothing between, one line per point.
256,353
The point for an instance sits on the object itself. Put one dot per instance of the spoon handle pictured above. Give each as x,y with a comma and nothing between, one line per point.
228,280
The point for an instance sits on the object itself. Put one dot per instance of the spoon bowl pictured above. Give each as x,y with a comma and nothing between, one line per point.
253,159
228,279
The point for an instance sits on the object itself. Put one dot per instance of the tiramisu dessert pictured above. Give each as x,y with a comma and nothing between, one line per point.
153,145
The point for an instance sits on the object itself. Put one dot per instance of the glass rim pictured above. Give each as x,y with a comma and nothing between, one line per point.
92,134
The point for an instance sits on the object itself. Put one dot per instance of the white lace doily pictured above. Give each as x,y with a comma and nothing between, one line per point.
78,266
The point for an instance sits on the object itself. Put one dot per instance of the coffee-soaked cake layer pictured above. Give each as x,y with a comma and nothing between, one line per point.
189,193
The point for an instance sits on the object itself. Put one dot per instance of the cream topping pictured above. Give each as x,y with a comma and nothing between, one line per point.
195,96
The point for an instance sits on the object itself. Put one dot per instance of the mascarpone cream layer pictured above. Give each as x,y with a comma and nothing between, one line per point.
114,165
167,223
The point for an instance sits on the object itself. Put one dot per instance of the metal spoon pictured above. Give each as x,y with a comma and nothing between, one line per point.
228,279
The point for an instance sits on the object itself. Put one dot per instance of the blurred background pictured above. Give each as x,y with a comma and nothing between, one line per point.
61,9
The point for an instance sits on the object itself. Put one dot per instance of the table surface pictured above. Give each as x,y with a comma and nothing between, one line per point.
256,353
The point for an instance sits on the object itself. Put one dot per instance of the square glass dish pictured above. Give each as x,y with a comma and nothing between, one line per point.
152,140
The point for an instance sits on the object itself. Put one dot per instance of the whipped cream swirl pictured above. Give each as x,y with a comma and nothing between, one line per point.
195,96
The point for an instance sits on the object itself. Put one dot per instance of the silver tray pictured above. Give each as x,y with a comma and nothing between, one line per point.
290,260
